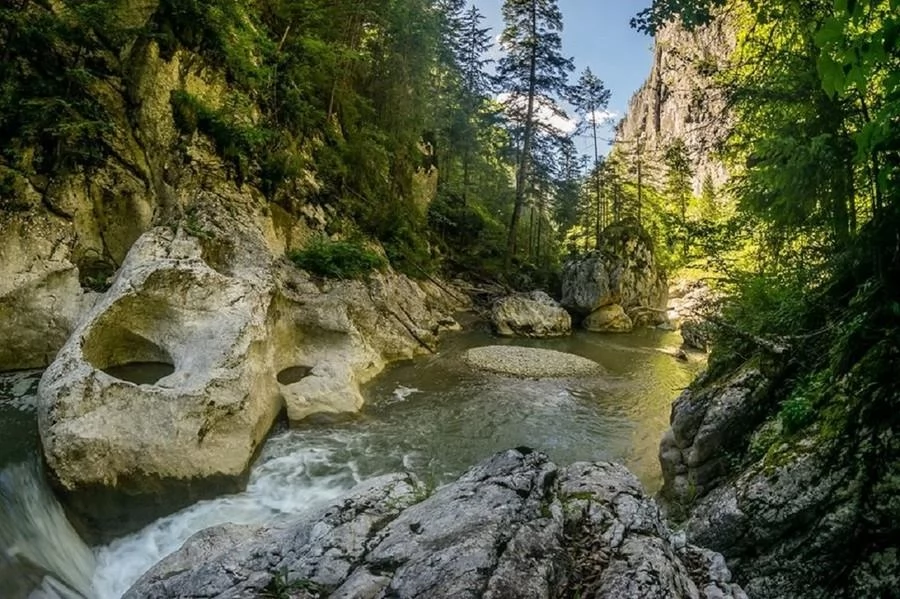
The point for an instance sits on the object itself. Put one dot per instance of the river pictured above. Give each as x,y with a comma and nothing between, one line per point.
434,416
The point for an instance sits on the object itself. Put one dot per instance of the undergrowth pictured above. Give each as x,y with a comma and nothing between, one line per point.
338,259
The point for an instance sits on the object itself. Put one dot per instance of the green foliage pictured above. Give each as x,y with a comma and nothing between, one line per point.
51,60
282,587
338,259
796,413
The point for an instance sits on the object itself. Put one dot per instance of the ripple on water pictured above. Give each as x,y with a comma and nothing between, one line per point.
434,417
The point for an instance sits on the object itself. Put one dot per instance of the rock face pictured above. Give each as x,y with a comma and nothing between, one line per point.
621,271
784,510
533,314
40,294
710,421
514,526
682,100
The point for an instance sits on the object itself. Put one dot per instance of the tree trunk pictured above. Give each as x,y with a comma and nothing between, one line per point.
524,163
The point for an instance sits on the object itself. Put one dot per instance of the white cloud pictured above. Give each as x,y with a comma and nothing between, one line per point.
546,112
603,117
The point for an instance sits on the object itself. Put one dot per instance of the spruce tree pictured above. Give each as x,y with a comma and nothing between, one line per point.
589,96
532,71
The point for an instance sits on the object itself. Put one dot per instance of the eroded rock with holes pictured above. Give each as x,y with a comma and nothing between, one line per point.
515,525
166,380
533,314
174,378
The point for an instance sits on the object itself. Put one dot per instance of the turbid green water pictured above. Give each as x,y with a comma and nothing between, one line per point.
435,416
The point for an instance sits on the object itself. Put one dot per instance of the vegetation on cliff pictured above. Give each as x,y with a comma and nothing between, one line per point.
815,160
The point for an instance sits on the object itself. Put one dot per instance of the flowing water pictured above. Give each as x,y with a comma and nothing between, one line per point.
434,416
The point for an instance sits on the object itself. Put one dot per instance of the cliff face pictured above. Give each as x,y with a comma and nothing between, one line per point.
680,99
65,231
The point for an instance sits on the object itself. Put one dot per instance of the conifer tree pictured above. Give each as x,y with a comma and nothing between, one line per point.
590,96
533,70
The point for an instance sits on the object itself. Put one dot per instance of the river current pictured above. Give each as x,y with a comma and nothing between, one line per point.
434,416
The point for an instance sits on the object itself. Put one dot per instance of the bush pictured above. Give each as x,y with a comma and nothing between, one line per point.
796,412
338,259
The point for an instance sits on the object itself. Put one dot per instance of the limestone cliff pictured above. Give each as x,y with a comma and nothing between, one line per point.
66,228
680,99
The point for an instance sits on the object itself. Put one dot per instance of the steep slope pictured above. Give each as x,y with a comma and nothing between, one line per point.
680,100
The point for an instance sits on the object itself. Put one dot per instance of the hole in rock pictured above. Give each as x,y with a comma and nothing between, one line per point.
140,373
126,355
291,375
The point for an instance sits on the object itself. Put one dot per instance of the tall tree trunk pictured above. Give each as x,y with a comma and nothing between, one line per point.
525,160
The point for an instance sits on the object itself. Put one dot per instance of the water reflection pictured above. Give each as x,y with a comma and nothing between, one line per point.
435,416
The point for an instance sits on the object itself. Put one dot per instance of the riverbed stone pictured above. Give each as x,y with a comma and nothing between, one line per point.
529,362
515,525
608,319
533,314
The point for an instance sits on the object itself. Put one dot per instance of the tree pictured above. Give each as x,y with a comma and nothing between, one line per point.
532,71
678,184
589,96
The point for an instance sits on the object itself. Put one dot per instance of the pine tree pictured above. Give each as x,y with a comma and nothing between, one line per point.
533,70
678,163
590,96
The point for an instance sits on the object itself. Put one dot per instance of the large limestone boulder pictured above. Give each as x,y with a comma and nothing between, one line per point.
621,271
167,378
173,379
333,337
608,319
516,525
533,314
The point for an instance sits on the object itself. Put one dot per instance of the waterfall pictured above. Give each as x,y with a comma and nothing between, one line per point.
37,537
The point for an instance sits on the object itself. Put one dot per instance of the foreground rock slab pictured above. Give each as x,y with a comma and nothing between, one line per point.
516,525
533,314
529,362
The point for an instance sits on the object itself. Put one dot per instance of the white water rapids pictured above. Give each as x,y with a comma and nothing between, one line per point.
434,417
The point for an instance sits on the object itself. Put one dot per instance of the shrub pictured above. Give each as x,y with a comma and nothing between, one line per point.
338,259
796,412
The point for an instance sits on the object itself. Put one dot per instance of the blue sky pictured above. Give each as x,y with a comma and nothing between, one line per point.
596,33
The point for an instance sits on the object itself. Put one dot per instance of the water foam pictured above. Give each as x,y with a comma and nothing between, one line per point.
36,534
289,479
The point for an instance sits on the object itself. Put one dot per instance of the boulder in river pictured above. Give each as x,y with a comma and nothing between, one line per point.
623,271
533,314
173,379
516,525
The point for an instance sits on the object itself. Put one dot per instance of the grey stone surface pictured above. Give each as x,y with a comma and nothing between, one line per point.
514,526
710,421
533,314
530,362
621,271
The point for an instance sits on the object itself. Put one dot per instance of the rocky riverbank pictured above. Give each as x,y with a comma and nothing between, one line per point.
516,525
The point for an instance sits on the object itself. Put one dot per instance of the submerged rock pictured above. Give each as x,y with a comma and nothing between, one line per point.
534,314
529,362
515,525
621,271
